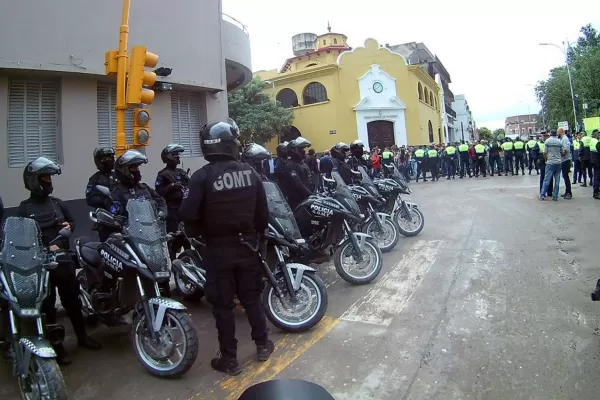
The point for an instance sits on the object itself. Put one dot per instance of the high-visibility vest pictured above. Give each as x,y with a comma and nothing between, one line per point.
432,153
519,145
450,150
593,144
507,146
531,144
420,153
479,149
463,148
576,144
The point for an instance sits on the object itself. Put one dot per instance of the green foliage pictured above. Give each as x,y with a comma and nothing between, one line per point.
499,134
484,133
258,116
554,94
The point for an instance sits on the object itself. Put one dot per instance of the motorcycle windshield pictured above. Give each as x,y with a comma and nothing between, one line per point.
367,182
280,213
344,195
22,259
148,233
397,176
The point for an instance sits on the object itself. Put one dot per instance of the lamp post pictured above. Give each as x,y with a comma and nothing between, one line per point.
569,72
272,85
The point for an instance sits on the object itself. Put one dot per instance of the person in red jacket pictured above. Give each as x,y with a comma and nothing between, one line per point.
473,158
376,163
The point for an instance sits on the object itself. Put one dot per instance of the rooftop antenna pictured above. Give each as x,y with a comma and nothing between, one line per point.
328,27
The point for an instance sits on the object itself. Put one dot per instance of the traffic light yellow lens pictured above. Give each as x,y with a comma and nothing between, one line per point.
143,118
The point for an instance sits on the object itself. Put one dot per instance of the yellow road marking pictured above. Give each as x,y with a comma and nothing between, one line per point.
287,350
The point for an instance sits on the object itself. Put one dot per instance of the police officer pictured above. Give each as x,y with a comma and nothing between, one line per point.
480,153
433,163
255,155
339,152
226,204
463,151
357,152
170,184
519,151
280,161
595,161
295,182
104,158
495,163
508,148
529,146
450,160
52,215
421,158
586,163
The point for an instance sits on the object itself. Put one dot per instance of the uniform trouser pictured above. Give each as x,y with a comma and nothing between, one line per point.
450,166
434,167
532,164
464,166
223,281
542,168
495,165
577,171
421,169
508,164
519,162
596,181
588,169
565,170
480,166
63,279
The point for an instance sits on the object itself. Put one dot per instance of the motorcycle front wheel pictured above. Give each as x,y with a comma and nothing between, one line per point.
385,239
412,227
176,350
299,316
370,264
44,381
188,290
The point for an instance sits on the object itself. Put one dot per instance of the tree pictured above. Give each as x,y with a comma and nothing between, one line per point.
259,117
554,94
499,134
484,133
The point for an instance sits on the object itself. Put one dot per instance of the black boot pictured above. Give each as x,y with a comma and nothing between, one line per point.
264,350
88,343
227,363
62,357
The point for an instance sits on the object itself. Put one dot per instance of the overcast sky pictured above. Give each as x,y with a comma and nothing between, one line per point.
490,49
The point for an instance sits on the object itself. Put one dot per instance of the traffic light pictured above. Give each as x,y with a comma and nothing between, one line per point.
141,127
138,77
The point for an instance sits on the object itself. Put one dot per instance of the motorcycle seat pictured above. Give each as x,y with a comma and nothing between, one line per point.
90,253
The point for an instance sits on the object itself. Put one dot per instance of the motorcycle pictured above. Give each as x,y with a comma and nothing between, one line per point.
327,223
408,216
138,259
24,284
295,298
190,277
379,225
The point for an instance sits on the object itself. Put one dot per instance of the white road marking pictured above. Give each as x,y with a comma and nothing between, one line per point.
390,294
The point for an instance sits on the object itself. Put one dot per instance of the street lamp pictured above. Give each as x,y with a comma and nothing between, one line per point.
272,85
569,72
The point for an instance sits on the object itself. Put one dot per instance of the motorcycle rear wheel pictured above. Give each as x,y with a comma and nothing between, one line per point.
188,291
52,385
310,282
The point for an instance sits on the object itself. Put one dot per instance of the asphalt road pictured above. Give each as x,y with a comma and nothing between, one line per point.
490,301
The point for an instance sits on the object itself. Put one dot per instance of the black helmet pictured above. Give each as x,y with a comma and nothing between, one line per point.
296,148
281,150
339,151
357,148
219,140
131,158
170,154
39,168
255,152
104,158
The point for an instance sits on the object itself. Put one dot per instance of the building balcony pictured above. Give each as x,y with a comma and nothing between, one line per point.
236,51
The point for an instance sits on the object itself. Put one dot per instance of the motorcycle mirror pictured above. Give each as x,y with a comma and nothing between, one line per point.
64,233
104,190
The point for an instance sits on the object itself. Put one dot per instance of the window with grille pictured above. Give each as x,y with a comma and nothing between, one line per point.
187,113
314,92
33,126
106,98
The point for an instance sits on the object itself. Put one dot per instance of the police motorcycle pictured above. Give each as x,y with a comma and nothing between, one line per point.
123,273
326,222
189,275
380,225
295,298
24,284
408,216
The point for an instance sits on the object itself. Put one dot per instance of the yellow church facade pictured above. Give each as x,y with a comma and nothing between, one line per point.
369,93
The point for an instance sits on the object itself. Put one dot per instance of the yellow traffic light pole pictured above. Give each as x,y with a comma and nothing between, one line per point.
121,139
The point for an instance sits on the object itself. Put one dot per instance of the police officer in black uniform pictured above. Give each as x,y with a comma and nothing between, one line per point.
280,161
52,215
171,182
295,181
255,155
226,204
104,158
339,153
357,151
